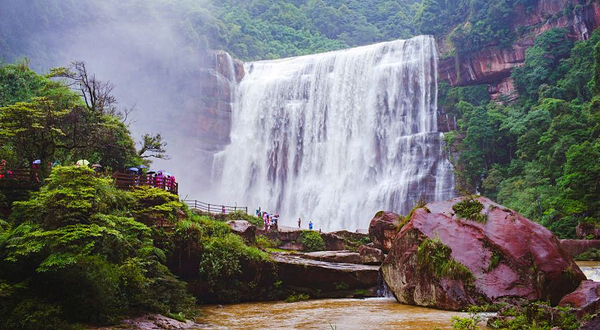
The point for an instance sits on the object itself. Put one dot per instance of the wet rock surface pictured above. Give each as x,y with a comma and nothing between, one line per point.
383,229
325,279
508,256
586,299
575,247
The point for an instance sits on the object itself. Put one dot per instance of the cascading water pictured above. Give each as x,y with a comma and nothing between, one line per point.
335,137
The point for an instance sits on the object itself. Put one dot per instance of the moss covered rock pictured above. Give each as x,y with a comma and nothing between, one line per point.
448,260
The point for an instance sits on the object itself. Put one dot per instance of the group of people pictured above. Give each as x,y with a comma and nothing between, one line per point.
270,220
158,179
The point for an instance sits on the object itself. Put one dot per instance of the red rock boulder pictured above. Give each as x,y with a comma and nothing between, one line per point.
586,299
445,259
383,229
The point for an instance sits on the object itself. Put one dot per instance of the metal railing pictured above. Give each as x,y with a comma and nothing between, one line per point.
214,208
130,181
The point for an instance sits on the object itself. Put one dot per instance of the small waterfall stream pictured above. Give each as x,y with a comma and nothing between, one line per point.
335,137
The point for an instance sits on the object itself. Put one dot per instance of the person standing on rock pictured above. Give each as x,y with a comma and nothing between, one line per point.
299,222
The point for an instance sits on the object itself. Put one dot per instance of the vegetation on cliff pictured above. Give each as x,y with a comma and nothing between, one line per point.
79,250
538,155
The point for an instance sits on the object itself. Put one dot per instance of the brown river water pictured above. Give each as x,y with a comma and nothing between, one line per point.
339,314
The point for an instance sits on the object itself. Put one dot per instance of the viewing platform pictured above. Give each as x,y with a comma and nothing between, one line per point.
128,181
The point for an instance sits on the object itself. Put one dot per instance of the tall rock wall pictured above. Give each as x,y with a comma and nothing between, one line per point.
493,65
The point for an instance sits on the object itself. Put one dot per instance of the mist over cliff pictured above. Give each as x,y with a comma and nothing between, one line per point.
146,49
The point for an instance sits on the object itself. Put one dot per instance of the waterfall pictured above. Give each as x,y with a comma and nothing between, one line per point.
335,137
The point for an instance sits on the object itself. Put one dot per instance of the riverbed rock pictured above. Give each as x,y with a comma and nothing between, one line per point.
244,229
154,322
370,255
335,256
383,229
575,247
325,279
334,242
586,299
506,256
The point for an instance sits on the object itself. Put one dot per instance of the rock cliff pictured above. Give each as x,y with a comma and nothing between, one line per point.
493,65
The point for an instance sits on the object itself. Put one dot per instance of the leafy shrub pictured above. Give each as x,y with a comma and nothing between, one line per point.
312,241
223,257
435,257
536,315
470,208
593,254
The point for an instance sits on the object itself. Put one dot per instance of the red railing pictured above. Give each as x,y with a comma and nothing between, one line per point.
130,181
19,179
214,208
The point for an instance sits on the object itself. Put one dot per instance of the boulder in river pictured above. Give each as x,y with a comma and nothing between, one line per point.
326,279
383,229
470,250
586,299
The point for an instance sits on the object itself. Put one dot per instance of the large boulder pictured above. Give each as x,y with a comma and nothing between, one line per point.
586,299
325,279
442,259
383,229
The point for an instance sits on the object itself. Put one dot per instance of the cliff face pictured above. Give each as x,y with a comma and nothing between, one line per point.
208,111
493,65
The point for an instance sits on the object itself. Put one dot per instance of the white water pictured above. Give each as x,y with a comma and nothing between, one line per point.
335,137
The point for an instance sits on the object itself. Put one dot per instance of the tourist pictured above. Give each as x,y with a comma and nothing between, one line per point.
299,222
223,209
310,226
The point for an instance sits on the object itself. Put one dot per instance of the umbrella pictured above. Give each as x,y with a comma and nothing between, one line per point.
96,166
37,162
166,174
82,162
142,166
133,169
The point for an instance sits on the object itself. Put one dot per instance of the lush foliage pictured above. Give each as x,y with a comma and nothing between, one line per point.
535,316
312,241
75,253
44,119
537,155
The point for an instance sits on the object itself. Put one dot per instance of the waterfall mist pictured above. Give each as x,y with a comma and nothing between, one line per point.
145,48
335,137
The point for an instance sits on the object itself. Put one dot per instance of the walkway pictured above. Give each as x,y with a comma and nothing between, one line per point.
214,208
